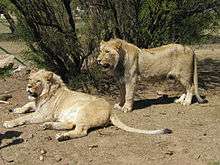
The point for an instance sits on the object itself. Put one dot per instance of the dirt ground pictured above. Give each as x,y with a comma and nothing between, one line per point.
196,128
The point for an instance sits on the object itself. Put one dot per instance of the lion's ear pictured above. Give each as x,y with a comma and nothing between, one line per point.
32,71
118,44
49,76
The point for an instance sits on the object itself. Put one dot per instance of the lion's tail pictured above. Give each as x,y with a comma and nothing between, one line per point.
116,122
195,80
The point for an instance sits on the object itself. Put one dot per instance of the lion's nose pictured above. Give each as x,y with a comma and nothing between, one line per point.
99,61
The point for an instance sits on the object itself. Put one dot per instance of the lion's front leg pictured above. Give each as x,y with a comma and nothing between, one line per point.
27,107
121,97
129,95
35,117
58,125
80,131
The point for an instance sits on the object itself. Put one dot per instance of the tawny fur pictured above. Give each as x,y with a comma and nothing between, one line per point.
59,108
128,61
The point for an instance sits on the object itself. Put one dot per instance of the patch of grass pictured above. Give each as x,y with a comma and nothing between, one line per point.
94,81
5,32
8,37
6,72
35,57
87,80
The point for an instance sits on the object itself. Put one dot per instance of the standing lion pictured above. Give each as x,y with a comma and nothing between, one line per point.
128,61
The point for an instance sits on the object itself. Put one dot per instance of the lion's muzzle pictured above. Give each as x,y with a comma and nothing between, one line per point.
106,65
32,94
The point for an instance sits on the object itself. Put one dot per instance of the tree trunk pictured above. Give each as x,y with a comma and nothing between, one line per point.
53,27
9,19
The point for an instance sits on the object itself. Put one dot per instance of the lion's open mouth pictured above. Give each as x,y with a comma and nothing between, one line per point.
106,65
32,94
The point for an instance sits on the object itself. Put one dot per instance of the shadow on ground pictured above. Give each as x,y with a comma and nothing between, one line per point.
209,73
140,104
10,138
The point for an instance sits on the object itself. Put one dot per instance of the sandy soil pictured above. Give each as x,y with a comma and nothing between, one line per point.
195,138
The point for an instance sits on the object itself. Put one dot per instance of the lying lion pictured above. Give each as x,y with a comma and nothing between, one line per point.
128,61
60,108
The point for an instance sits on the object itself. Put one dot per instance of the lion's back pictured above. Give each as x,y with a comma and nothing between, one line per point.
164,60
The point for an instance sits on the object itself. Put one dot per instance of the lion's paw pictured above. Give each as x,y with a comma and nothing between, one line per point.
62,137
126,109
181,99
8,124
186,103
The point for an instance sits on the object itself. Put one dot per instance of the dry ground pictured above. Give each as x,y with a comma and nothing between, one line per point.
195,138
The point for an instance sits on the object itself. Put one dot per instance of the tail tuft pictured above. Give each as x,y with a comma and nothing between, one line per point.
204,101
167,131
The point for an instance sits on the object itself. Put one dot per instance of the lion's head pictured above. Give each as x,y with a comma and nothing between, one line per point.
42,82
109,53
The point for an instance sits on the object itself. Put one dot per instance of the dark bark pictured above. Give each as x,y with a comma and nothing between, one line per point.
8,17
53,27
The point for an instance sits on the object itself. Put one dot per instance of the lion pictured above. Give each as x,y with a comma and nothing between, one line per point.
60,108
128,61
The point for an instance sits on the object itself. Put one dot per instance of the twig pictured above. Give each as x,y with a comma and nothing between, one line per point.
3,102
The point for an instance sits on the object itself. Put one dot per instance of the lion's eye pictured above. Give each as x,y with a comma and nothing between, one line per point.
107,51
38,81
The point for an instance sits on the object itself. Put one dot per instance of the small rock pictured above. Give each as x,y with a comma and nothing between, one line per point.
93,146
30,136
146,115
6,61
178,113
169,153
58,158
41,158
43,151
48,138
9,160
20,67
163,113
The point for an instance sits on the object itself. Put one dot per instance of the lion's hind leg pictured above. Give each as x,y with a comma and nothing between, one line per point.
187,83
78,132
189,95
181,99
58,125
